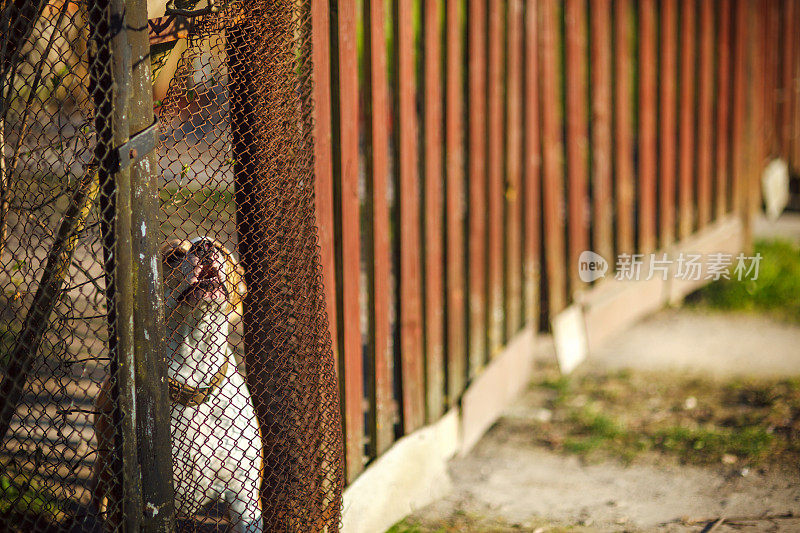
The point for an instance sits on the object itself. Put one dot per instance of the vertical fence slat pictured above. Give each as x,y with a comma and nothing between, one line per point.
323,165
432,211
454,205
724,49
477,185
668,119
795,89
770,72
624,123
739,100
647,124
381,422
788,102
762,134
602,222
513,196
577,141
552,156
705,101
409,293
494,92
346,183
687,148
532,166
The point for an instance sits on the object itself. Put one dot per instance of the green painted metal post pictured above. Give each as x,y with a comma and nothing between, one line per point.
152,397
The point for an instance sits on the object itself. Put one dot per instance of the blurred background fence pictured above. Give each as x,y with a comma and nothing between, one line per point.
468,151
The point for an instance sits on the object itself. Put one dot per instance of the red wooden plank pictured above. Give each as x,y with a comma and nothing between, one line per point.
432,211
454,206
552,156
577,141
477,185
381,429
738,149
410,299
347,174
533,159
600,17
770,97
494,91
795,147
513,196
761,138
789,51
724,48
647,124
668,119
705,117
323,164
623,131
686,148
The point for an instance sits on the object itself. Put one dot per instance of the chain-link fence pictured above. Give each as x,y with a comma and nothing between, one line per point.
246,355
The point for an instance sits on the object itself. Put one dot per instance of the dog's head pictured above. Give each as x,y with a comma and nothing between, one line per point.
201,273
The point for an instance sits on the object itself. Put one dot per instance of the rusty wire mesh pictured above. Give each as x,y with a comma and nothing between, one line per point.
54,199
237,162
255,422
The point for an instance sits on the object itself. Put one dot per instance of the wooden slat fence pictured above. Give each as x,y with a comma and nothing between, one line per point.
468,151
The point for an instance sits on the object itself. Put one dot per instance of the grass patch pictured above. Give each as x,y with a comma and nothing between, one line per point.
697,421
407,526
776,291
25,495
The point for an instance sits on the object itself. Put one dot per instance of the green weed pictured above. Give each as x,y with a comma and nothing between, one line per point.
776,291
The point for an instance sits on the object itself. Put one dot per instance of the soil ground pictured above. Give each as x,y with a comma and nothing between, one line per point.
689,421
679,422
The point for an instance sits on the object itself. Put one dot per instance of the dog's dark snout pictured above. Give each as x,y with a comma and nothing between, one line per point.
203,250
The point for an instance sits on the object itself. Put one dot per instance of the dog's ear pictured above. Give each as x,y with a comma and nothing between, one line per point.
173,251
234,279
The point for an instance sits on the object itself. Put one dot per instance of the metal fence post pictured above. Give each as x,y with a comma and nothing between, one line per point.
110,94
152,398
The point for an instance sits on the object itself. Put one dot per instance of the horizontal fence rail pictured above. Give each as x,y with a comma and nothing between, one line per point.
478,148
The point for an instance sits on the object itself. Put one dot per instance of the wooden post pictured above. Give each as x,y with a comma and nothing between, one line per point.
345,173
705,114
495,190
152,397
111,95
513,194
432,211
378,253
323,162
533,167
723,167
552,157
454,206
687,147
647,125
602,139
668,133
476,154
624,124
577,143
787,102
408,219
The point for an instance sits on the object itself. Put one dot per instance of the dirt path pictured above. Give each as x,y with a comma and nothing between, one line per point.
710,343
511,482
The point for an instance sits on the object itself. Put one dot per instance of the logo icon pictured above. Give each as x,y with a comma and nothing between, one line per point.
591,266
